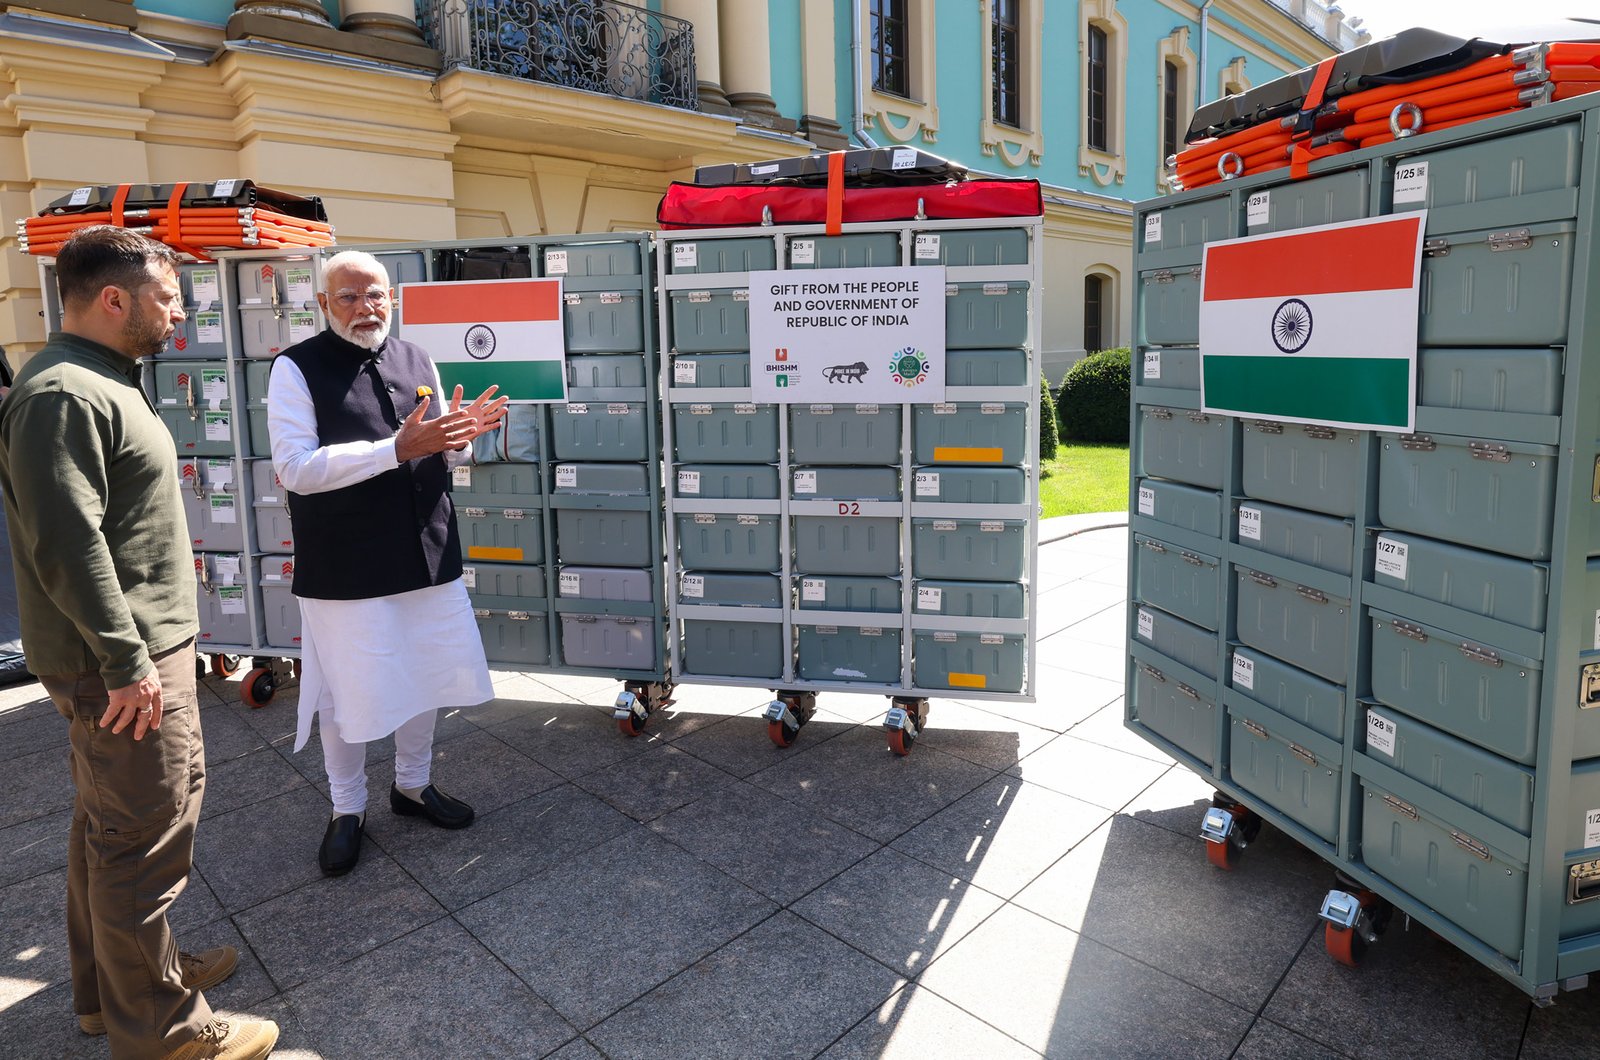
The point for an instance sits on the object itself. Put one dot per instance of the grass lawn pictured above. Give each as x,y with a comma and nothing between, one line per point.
1085,478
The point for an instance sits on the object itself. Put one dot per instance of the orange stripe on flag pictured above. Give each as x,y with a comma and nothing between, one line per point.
473,303
1375,257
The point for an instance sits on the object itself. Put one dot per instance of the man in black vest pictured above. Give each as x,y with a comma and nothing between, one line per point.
387,632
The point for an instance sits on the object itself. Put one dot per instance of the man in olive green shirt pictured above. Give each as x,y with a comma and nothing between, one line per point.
106,590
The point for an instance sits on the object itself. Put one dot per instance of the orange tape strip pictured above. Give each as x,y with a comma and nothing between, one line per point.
484,552
968,681
968,456
835,217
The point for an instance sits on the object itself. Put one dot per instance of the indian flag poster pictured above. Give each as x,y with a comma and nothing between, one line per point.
1317,325
483,332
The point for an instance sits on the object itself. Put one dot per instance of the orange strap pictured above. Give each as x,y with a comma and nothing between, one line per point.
117,202
1306,153
835,216
175,233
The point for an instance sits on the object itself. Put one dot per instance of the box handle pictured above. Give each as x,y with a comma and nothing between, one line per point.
1583,882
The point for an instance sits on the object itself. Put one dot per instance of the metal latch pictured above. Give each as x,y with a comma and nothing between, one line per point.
1594,488
1153,546
474,513
1159,276
1186,690
1406,629
1253,729
1583,882
1419,442
1268,427
1320,433
1436,248
1301,753
1153,672
1194,558
1489,451
1199,417
1166,414
1487,656
1472,846
1404,809
1316,596
1589,687
1262,579
1512,239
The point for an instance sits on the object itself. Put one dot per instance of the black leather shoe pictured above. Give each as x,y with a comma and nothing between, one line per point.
436,806
341,845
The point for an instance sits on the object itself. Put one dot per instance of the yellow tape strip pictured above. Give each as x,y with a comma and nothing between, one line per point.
968,681
968,456
481,552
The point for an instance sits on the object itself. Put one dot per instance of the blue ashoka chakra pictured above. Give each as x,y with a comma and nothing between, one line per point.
1291,326
479,342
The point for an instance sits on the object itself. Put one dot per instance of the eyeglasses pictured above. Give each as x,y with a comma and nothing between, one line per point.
348,299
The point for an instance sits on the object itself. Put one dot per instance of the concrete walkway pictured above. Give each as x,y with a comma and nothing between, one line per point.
1029,881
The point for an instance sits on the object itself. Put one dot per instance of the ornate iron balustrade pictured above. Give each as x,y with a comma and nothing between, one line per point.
596,45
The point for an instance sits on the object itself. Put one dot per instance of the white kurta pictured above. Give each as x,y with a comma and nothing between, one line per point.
374,664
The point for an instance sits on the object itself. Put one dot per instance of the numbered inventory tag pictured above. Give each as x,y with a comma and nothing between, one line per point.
930,598
555,263
814,590
805,482
230,600
1410,182
219,427
297,282
694,586
927,484
683,371
214,386
1152,364
927,246
206,287
1249,523
803,252
1390,558
903,158
1244,672
461,476
223,188
1591,829
567,476
1147,625
571,583
1152,228
1147,500
688,482
1380,733
469,577
685,255
208,327
80,196
1257,208
224,508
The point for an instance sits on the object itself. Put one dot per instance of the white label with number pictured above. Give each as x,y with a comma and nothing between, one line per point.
208,327
571,583
1152,364
1256,209
1390,558
224,188
1249,523
1410,182
814,590
930,599
297,281
1147,500
1591,829
1152,228
205,286
555,262
461,476
1380,733
224,509
1244,672
214,385
688,482
469,577
566,476
927,484
803,252
684,371
694,586
230,601
227,568
1147,624
80,196
220,473
927,246
685,255
805,482
904,158
218,427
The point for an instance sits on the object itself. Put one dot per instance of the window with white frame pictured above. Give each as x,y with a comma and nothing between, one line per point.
1102,86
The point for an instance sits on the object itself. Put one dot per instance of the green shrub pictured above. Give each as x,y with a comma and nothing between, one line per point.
1049,437
1093,402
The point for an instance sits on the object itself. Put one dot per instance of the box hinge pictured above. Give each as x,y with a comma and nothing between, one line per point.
1487,656
1472,846
1166,414
1262,579
1404,809
1419,442
1153,672
1301,753
1511,239
1406,629
1199,417
1268,427
1490,451
1316,596
1436,248
1320,433
1253,729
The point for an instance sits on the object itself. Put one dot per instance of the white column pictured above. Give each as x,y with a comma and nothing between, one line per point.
707,47
390,19
747,56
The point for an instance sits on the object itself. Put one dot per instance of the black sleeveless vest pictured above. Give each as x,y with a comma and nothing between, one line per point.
390,534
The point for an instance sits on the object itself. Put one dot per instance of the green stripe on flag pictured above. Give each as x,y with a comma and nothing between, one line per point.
518,380
1367,390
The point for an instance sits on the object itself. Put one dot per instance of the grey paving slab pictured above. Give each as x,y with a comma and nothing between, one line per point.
983,738
1151,894
659,781
227,734
22,701
195,908
33,936
440,993
35,785
740,746
249,984
898,910
762,841
1107,628
1100,775
1003,835
916,1024
33,847
1414,995
506,846
31,728
294,1041
785,988
1063,699
1067,996
252,778
571,739
577,1049
1569,1028
302,934
1105,727
263,850
44,1025
1080,655
610,924
1268,1041
515,695
1073,601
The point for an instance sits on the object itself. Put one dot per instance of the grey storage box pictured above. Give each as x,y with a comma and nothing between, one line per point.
1283,768
1288,690
220,593
1189,447
965,248
1176,368
1318,201
274,530
598,430
516,440
208,472
733,649
274,283
612,642
514,637
1323,541
1190,645
1493,495
844,434
215,519
1178,713
986,550
266,331
603,321
1312,467
850,653
1490,380
1303,626
1537,166
1442,864
986,368
1484,583
727,481
1475,691
504,586
601,536
624,584
970,433
257,376
201,284
200,335
1499,287
741,254
851,483
200,431
741,433
577,261
276,571
190,384
982,316
728,542
1468,774
729,589
934,596
265,486
496,485
1188,226
280,614
1181,506
1169,309
711,321
607,370
846,592
503,535
858,250
1180,582
971,485
711,369
825,544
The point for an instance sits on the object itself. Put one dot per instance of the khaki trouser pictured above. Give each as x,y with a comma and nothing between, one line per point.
128,858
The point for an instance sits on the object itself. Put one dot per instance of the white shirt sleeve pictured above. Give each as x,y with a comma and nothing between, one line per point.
302,465
452,457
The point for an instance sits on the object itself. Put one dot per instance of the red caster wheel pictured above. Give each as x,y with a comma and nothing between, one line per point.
1223,855
901,741
632,725
781,734
224,665
1344,945
258,687
297,669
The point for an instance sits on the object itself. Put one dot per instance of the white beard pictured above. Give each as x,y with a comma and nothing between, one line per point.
368,340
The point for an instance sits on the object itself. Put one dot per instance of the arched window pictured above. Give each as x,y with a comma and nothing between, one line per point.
1095,295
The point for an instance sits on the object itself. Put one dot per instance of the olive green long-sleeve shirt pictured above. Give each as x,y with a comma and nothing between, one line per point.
105,577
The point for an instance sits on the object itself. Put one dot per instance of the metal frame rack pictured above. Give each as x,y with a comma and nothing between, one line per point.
795,694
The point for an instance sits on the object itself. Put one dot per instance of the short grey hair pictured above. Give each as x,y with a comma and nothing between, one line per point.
353,259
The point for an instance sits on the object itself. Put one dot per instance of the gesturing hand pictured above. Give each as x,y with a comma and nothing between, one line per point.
419,437
488,414
139,703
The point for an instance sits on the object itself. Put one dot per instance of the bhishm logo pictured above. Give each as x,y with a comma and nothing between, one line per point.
782,381
908,366
780,353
